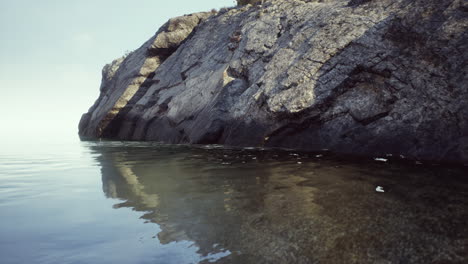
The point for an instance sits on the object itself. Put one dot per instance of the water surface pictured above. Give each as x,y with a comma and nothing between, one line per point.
124,202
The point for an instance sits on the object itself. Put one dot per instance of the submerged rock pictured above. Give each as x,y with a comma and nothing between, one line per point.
363,77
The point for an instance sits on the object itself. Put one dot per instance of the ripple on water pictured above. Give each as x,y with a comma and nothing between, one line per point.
231,205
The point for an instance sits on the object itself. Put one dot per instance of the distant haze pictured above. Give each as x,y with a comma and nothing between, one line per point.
52,53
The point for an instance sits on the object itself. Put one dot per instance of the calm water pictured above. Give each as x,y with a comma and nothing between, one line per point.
108,202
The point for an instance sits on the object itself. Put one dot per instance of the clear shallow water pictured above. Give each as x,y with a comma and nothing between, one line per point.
112,202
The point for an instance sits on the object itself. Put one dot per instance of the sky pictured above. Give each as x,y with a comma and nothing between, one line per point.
52,53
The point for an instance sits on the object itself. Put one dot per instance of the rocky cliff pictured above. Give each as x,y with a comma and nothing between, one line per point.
367,77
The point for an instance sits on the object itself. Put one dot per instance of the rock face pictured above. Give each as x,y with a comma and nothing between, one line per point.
366,77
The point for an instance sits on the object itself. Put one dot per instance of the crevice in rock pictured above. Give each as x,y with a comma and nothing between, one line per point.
368,120
294,128
213,135
234,73
184,75
356,3
149,81
163,54
164,106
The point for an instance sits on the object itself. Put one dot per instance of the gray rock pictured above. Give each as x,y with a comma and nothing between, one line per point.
363,77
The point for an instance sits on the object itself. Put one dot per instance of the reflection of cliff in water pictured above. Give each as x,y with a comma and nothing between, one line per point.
273,210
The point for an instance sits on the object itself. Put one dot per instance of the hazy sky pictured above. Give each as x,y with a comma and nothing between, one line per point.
52,53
